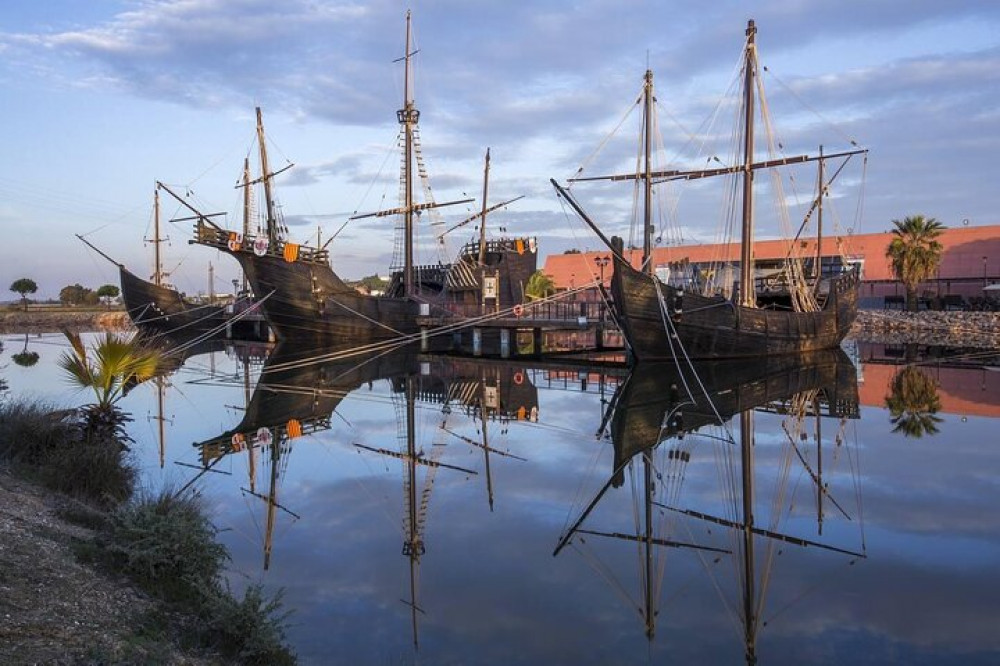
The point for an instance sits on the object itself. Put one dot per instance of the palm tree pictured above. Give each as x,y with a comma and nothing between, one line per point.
913,403
114,360
540,285
915,253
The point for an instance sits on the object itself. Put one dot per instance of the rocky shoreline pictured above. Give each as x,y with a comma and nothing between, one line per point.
929,327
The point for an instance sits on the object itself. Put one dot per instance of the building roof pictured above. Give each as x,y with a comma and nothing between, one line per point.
969,252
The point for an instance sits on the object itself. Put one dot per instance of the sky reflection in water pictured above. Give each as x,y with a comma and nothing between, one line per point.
487,586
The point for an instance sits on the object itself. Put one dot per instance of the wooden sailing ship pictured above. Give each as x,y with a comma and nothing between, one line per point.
296,395
155,306
662,412
298,391
694,317
305,299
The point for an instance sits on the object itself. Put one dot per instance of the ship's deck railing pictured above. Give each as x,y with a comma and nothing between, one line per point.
223,239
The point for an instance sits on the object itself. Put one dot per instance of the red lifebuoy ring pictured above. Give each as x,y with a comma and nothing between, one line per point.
518,310
518,377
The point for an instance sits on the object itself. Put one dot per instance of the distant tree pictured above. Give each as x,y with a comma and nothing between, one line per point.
914,253
540,285
572,250
26,359
374,284
106,292
913,403
24,286
75,294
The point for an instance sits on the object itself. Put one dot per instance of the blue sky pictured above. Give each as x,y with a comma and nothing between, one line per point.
103,98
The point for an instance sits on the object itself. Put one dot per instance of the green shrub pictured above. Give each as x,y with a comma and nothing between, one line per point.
251,631
48,446
167,545
29,432
95,471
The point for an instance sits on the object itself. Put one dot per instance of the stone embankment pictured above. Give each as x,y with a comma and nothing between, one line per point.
928,327
40,321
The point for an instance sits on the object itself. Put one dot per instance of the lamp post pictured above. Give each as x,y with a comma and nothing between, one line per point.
984,270
601,263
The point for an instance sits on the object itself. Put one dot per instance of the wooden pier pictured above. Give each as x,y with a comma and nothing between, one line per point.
529,330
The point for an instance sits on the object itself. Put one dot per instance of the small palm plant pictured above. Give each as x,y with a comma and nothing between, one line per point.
112,362
540,285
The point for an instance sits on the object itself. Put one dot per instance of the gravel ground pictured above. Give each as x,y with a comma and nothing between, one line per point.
55,610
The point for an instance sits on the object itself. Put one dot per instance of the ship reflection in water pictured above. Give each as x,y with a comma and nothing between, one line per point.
810,509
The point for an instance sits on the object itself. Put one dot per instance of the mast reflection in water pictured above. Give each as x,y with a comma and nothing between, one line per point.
409,505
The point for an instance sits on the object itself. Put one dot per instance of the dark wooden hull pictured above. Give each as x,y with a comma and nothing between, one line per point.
308,302
305,300
716,328
161,310
295,389
297,386
652,405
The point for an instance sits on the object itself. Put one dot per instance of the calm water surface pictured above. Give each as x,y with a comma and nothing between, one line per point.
405,529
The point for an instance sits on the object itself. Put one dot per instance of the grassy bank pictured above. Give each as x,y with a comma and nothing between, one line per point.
163,545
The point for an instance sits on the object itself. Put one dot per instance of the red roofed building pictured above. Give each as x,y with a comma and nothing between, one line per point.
970,261
965,391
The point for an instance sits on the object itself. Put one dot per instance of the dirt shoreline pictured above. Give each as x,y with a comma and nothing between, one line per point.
55,610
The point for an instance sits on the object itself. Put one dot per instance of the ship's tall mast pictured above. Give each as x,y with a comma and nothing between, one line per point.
160,429
272,225
747,295
819,221
647,227
246,197
272,502
247,396
408,117
482,221
485,417
414,546
246,208
647,542
157,263
819,468
749,593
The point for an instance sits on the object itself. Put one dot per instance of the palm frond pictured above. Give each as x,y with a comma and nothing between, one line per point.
116,360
